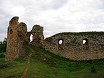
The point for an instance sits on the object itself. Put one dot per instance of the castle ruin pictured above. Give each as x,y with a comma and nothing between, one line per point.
75,46
17,36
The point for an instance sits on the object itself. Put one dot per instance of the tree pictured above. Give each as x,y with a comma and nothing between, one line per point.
3,45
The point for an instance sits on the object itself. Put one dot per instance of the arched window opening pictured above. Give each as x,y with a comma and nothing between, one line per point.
11,31
85,44
85,41
60,42
31,38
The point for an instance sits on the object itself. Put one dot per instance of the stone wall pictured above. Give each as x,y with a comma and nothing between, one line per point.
38,37
12,39
22,31
16,36
77,46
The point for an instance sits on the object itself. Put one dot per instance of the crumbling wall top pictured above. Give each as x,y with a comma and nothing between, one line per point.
22,24
80,33
22,27
37,28
14,21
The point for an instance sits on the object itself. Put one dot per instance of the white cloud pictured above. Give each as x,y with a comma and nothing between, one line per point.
18,10
55,15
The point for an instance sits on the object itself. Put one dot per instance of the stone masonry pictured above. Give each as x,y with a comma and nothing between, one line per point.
75,46
12,39
17,35
38,38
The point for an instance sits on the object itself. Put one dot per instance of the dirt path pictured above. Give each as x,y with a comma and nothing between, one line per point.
26,70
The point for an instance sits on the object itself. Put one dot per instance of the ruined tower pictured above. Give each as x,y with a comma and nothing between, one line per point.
22,31
38,37
12,39
16,35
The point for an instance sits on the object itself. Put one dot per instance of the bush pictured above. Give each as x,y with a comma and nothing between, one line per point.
5,65
3,45
2,55
96,75
93,70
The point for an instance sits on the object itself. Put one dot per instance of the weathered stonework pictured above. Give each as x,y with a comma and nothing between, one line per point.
16,37
75,46
28,37
72,46
22,31
12,39
38,38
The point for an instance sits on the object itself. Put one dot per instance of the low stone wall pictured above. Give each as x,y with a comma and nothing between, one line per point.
77,46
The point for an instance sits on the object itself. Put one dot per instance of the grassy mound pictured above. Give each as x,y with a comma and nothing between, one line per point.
43,64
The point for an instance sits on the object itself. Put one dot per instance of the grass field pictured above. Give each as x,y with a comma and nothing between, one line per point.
43,64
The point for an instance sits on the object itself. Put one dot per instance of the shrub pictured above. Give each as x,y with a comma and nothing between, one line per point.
3,45
93,70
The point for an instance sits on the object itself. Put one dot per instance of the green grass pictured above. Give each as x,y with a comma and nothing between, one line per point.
44,64
11,69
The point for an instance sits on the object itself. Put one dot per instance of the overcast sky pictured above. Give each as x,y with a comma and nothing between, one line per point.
54,15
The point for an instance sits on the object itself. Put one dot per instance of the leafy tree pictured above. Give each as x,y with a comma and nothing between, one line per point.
3,45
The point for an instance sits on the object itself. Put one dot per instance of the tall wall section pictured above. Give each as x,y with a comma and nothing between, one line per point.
77,46
16,36
38,37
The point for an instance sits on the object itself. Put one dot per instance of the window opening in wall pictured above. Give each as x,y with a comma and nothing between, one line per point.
60,42
85,41
85,44
11,31
31,38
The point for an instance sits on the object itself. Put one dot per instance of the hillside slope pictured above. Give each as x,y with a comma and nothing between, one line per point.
39,63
